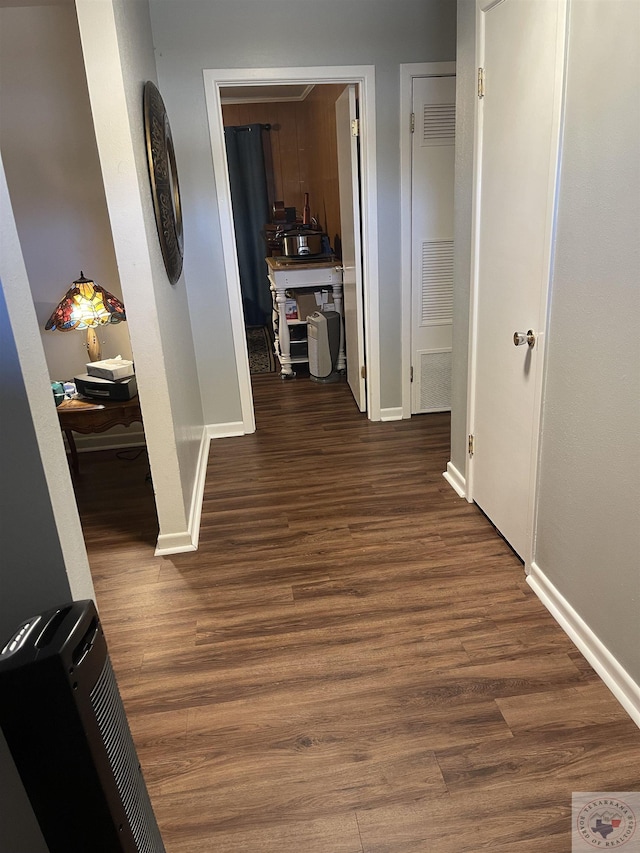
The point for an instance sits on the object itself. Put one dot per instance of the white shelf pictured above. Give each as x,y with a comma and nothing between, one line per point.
310,276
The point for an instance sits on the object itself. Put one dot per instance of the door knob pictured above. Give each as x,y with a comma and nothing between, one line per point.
520,338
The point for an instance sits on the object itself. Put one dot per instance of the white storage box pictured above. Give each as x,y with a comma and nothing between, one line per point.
111,368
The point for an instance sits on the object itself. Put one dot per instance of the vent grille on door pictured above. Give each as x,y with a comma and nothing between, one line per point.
116,736
437,282
435,380
439,124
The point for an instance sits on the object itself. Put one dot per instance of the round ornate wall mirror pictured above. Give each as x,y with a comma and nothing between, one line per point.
163,176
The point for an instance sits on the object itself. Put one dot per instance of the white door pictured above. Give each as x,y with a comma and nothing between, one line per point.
348,177
521,49
432,175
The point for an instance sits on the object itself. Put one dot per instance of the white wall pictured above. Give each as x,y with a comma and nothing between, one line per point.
588,532
118,54
51,161
191,35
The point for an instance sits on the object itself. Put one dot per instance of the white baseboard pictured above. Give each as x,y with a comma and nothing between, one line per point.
178,543
617,679
229,430
174,543
455,480
198,487
391,414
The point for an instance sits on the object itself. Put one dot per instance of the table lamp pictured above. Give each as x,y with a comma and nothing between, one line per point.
86,305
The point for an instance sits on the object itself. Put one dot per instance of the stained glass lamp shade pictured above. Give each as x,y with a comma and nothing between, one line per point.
86,305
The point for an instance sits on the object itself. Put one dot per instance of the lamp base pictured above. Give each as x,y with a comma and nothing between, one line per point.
93,345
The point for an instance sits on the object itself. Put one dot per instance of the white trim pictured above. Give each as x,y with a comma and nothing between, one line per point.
455,479
198,487
229,430
391,414
473,272
408,71
174,543
178,543
225,215
553,190
561,34
364,77
269,99
560,95
617,679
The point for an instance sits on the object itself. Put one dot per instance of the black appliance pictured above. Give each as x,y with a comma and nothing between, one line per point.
64,722
106,389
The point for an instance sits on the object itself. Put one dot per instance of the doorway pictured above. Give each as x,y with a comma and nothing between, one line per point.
281,151
427,135
363,78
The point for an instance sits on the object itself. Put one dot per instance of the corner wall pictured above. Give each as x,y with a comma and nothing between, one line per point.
118,55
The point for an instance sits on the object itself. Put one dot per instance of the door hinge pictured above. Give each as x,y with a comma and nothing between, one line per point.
472,441
411,379
363,371
412,123
355,127
481,82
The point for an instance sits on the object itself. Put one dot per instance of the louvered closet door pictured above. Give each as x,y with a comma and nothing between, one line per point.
432,242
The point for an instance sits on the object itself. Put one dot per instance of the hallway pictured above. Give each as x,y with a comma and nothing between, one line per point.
352,661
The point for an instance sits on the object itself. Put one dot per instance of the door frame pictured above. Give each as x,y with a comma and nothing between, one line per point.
482,7
363,76
408,72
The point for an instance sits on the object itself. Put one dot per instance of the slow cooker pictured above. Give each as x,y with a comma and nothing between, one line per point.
299,244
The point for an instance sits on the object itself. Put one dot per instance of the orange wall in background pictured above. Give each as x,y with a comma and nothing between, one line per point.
303,151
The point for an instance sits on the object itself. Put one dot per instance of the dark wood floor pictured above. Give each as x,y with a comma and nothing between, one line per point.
352,661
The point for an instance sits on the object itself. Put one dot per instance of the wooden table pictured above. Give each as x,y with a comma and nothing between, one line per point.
88,416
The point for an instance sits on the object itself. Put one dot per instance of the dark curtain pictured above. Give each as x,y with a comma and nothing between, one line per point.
247,176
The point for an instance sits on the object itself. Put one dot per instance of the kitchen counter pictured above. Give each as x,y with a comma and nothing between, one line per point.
278,264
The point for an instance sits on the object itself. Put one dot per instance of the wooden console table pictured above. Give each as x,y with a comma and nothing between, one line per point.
86,417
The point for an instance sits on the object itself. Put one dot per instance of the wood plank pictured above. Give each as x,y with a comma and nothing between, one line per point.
578,757
338,834
570,709
519,820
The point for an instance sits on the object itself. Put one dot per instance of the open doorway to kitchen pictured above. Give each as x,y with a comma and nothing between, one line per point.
225,85
283,172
